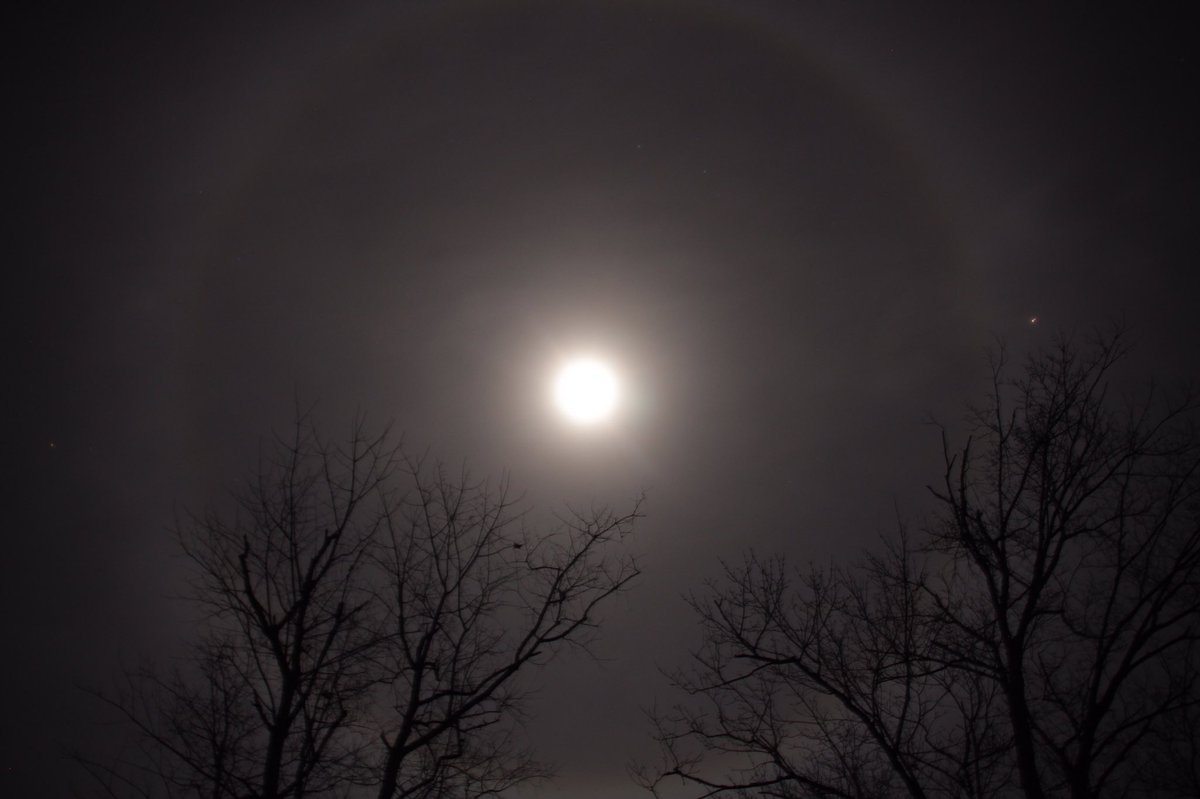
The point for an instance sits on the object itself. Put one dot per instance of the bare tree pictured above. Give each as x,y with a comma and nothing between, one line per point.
194,731
474,598
1075,530
364,622
1042,634
264,704
824,682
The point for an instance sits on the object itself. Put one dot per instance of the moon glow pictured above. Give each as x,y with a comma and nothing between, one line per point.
586,391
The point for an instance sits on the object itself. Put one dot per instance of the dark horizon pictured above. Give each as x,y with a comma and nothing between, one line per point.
793,228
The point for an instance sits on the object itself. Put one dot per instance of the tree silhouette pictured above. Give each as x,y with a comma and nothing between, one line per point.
365,620
473,598
1039,639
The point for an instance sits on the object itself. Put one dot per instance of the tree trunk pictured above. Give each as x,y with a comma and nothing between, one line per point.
1022,724
279,732
391,773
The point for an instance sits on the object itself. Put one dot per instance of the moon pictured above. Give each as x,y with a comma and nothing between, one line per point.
586,391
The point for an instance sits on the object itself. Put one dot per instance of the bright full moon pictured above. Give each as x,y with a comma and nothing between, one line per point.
586,391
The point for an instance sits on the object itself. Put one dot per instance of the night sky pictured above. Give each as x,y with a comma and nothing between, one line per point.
793,229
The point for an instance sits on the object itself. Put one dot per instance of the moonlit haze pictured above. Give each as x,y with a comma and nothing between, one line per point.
728,255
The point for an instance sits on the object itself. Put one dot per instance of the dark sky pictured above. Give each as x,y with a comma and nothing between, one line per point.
793,228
